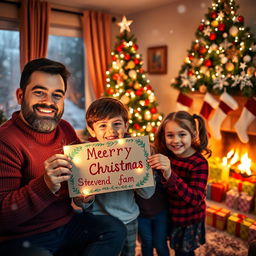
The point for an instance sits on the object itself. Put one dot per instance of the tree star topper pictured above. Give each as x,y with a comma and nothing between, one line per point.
124,24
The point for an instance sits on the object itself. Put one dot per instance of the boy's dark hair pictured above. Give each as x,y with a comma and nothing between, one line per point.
187,122
43,65
105,108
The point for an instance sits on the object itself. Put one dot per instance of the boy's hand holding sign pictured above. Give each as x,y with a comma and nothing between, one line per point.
114,165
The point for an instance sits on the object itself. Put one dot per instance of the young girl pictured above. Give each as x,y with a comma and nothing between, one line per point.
180,140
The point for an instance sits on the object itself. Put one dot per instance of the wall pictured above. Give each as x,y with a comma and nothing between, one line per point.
167,25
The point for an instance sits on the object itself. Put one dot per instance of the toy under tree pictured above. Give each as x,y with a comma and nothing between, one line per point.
126,81
223,56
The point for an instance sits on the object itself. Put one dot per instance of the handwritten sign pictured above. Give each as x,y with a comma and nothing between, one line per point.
102,167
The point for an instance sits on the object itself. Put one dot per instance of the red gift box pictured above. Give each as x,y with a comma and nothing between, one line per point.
218,191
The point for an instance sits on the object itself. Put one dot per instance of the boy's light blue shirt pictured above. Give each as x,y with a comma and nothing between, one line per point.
120,204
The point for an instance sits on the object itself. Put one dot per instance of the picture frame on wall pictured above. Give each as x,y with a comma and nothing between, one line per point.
157,59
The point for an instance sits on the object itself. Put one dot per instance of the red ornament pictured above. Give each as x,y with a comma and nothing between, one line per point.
135,47
214,15
212,36
154,129
201,27
127,56
114,58
240,18
136,61
136,126
221,27
149,87
146,102
153,110
202,50
142,70
191,57
110,91
190,72
208,63
139,92
119,49
115,76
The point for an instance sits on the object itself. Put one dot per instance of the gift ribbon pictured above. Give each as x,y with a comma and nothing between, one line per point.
238,227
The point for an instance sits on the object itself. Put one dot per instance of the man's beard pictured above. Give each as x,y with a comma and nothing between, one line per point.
39,123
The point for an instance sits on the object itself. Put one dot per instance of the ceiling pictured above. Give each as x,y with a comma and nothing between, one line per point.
114,6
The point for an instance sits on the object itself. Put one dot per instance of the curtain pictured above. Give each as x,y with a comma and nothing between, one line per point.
34,30
97,38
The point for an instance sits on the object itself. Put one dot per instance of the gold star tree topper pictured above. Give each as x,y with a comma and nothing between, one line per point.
125,24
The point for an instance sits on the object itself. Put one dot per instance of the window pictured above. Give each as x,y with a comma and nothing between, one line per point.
9,70
69,51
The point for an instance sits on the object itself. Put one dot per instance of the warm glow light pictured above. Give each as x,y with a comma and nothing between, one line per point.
245,165
138,170
121,141
86,192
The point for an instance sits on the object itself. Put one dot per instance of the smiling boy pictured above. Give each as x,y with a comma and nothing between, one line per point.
107,119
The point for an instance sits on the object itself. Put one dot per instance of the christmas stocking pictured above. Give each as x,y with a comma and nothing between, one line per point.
184,102
227,104
247,116
209,104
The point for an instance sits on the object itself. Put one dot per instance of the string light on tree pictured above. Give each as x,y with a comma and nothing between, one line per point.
126,80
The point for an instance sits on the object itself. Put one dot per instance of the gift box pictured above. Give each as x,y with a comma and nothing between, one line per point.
252,233
218,172
217,217
244,228
238,225
249,188
232,197
245,202
218,191
235,184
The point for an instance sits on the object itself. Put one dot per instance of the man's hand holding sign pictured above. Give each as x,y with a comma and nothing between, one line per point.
102,167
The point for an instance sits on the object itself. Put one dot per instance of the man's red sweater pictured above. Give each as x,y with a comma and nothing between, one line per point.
27,206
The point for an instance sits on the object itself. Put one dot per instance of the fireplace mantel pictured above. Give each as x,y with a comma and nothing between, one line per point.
230,120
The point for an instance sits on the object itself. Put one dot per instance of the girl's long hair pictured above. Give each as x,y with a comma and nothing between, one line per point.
188,122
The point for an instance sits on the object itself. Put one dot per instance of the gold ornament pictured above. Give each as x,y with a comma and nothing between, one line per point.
250,71
149,128
147,115
202,88
155,116
125,24
203,70
137,86
232,52
224,60
229,66
196,62
132,74
130,65
233,31
125,99
215,23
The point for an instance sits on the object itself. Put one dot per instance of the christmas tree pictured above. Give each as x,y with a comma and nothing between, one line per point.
126,81
223,56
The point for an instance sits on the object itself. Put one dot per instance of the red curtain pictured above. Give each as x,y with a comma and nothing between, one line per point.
97,38
34,30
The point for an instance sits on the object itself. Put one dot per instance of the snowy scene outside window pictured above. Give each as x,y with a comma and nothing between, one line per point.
68,50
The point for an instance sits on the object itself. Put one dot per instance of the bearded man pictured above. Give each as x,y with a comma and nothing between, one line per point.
36,215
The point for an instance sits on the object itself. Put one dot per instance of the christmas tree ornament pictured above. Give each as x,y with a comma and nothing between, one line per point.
250,71
247,58
221,27
233,31
214,23
125,25
240,18
132,74
147,115
125,99
229,67
212,36
202,88
247,116
209,104
226,105
201,27
184,102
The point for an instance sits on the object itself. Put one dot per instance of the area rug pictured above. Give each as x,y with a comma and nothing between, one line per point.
218,243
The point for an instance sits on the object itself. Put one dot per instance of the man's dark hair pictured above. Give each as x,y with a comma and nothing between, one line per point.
43,65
